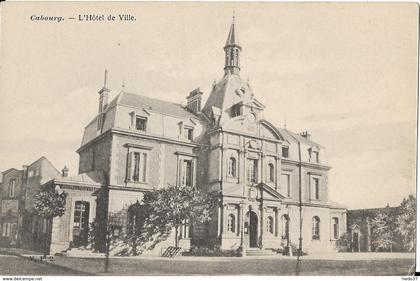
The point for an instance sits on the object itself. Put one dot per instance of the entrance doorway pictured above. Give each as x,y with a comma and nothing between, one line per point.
356,242
253,230
81,223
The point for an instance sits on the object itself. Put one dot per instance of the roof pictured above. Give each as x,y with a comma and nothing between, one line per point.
139,101
45,159
91,178
293,137
225,94
9,170
372,210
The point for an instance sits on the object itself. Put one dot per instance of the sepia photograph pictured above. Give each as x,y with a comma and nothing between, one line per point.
208,138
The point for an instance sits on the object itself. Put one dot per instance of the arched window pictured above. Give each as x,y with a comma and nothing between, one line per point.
271,172
270,225
232,167
231,223
285,226
315,228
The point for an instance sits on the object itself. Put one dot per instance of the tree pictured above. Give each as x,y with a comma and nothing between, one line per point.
49,204
406,222
344,243
382,231
174,206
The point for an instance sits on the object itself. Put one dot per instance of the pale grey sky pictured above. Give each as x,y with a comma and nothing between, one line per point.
346,72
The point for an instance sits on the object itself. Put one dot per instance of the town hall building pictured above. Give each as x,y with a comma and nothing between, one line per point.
262,173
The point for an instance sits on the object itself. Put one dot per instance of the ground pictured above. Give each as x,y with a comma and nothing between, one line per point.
343,264
13,265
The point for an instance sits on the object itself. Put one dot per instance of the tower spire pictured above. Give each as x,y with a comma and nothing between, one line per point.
232,50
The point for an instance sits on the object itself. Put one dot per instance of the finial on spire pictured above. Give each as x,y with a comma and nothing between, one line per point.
233,17
106,76
285,123
123,83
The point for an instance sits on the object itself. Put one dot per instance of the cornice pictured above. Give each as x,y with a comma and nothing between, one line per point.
238,133
137,134
305,164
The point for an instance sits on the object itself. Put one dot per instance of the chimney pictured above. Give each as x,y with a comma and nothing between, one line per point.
194,101
103,102
305,134
65,172
103,95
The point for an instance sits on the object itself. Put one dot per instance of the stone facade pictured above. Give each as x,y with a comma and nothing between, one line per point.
19,225
267,177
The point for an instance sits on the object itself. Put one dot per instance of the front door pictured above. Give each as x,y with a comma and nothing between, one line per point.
81,223
253,230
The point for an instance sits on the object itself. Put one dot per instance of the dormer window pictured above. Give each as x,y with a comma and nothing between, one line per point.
141,123
313,154
188,133
285,152
316,156
236,110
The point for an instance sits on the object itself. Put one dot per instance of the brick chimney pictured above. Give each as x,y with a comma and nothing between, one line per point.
194,101
305,134
65,172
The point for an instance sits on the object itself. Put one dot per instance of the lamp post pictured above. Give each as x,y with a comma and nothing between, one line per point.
241,246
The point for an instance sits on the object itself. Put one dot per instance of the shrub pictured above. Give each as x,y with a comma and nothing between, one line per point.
206,252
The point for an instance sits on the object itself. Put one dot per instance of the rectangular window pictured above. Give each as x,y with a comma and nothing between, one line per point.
336,233
141,123
252,171
285,152
187,174
139,167
5,230
12,188
188,133
315,188
285,184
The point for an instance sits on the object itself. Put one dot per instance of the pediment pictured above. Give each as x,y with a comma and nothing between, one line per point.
269,131
269,193
314,148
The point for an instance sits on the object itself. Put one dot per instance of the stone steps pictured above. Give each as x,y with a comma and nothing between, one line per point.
259,252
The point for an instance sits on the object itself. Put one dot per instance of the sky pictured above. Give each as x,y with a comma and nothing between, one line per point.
345,72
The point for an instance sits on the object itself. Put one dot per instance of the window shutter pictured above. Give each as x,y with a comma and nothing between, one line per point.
129,163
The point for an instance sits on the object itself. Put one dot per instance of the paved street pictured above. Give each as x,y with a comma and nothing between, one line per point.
316,264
